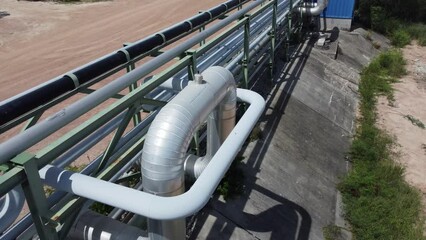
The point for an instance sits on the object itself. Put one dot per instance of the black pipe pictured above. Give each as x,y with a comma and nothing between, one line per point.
219,10
200,19
145,46
98,68
12,109
177,30
39,96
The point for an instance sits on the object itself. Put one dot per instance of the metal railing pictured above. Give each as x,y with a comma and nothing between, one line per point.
245,41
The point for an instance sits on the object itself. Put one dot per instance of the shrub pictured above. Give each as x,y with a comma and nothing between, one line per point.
418,32
378,19
400,38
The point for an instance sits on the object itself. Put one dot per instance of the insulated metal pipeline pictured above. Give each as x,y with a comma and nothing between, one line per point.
33,98
314,10
159,207
43,129
169,136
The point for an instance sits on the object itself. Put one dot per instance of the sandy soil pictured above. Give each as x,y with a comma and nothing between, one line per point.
410,98
40,40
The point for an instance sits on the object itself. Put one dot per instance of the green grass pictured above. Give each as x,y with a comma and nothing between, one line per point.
418,31
401,34
232,184
331,232
400,38
379,204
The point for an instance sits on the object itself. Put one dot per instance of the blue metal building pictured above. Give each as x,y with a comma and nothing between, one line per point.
339,13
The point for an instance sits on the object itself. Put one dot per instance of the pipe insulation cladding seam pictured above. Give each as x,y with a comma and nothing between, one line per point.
18,105
159,207
312,10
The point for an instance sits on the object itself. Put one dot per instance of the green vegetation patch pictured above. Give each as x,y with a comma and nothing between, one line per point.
418,32
331,232
401,21
379,204
232,184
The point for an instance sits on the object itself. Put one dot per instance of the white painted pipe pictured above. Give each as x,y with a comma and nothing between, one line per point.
158,207
313,11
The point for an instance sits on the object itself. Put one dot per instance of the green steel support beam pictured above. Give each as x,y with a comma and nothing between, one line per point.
204,41
36,199
32,121
11,179
246,57
137,118
289,30
273,38
129,177
152,102
89,91
192,68
117,136
55,149
201,50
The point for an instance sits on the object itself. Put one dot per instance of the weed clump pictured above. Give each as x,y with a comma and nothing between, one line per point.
400,38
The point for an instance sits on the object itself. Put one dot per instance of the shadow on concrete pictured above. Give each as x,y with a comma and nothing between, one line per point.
283,219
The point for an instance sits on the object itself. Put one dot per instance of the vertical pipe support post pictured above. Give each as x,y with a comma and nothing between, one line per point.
289,30
272,35
192,67
202,28
36,199
192,72
246,57
137,118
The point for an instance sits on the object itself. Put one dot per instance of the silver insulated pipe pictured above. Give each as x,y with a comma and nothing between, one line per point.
170,134
313,11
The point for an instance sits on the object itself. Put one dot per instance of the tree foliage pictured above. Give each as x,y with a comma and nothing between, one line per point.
376,13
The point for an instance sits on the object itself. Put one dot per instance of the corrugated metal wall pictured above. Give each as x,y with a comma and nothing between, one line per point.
339,9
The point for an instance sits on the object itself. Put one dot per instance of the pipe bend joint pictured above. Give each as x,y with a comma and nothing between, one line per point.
313,10
170,134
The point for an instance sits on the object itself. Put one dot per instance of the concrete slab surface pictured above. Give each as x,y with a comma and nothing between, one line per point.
291,173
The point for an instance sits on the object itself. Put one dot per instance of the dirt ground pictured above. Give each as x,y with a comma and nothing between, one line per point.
40,40
410,99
